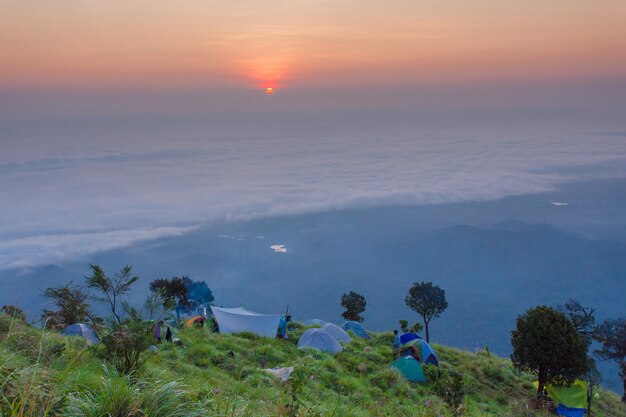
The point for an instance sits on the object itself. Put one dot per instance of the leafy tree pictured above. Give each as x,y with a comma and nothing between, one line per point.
185,293
415,328
427,300
612,335
546,342
174,291
354,303
15,312
71,303
112,289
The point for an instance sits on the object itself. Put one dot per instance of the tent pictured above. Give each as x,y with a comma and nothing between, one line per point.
422,350
410,368
319,339
571,400
81,330
355,328
407,337
192,321
313,322
237,320
337,332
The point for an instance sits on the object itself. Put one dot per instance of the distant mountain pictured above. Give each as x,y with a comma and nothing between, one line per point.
25,287
491,274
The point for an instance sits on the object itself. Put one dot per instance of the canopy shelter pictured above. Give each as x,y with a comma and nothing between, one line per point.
81,330
337,332
571,400
319,339
356,328
421,350
410,368
407,337
237,320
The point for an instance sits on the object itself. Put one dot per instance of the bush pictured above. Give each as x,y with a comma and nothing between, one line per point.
448,384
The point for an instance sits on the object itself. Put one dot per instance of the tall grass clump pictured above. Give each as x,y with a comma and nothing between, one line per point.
118,396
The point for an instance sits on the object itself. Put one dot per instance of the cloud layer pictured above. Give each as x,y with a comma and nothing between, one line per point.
68,192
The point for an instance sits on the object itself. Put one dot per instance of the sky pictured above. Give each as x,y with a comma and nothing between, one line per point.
123,121
307,43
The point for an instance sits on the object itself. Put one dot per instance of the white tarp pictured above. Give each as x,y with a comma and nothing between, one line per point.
237,320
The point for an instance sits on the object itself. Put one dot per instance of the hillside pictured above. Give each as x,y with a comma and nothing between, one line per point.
45,374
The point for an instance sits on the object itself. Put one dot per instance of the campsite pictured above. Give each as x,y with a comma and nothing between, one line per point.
245,371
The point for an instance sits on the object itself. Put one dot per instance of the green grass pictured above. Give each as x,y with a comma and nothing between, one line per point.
45,374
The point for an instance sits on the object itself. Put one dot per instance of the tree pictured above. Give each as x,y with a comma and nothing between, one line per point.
546,342
354,303
581,317
129,329
112,290
71,303
415,328
594,379
15,312
172,290
612,335
427,300
184,292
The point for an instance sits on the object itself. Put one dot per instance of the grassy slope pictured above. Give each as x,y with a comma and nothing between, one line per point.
356,382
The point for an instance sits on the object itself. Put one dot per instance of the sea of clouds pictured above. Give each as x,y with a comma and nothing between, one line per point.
73,188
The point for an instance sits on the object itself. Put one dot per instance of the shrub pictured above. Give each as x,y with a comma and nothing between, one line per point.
448,384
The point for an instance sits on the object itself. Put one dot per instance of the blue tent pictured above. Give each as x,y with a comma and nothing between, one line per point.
81,330
408,337
420,349
355,328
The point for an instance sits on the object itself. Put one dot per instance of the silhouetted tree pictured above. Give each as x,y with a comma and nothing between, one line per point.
72,306
612,335
581,317
427,300
546,342
354,303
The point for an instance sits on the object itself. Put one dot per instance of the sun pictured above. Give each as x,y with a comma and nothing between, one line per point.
269,91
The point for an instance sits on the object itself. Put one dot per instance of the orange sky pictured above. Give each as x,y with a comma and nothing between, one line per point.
235,43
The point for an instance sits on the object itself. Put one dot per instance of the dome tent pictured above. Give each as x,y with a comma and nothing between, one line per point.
319,339
237,320
81,330
355,328
410,368
314,322
337,332
422,350
407,337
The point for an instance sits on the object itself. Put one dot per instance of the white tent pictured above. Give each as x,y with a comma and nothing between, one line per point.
337,332
237,320
319,339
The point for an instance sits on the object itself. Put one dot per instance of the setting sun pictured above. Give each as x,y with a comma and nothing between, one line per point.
269,91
